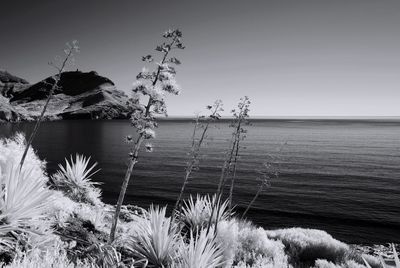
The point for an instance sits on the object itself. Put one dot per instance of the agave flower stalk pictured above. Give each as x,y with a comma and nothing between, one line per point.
264,183
271,170
196,145
221,183
69,52
152,85
240,118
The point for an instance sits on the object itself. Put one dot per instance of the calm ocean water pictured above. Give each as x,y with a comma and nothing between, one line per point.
342,176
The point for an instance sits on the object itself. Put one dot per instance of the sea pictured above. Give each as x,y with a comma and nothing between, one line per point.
337,175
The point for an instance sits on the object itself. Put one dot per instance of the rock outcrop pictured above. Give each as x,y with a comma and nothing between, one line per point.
7,111
10,84
79,95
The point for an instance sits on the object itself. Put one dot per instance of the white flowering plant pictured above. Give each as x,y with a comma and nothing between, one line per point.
148,101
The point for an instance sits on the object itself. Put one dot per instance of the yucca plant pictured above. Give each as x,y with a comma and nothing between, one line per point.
196,213
201,252
75,179
156,238
23,202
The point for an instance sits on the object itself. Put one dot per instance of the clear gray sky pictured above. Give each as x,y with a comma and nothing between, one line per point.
292,58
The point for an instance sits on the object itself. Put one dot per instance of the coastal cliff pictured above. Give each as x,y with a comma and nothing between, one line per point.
79,95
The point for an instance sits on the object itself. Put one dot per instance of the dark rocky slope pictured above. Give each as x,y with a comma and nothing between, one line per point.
9,84
80,95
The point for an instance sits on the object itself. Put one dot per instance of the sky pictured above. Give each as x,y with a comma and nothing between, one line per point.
292,58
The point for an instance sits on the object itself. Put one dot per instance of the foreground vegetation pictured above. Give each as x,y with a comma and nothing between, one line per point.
60,221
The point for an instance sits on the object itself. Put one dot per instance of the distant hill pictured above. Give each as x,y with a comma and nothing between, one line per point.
6,77
80,95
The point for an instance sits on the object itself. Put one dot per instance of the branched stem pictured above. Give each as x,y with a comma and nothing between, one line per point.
40,119
231,160
195,154
135,152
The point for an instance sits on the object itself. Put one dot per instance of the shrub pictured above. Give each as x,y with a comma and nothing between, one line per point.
371,260
308,245
196,213
248,246
74,180
260,262
11,151
155,238
24,200
55,256
201,252
326,264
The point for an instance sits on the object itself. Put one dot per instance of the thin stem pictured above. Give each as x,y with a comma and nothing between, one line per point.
220,186
124,186
196,150
234,174
253,200
237,147
134,157
40,119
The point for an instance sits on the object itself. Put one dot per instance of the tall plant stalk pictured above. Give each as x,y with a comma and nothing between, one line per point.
240,116
69,51
271,170
220,189
264,183
195,148
152,85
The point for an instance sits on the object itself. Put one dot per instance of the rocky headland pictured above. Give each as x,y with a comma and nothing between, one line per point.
79,95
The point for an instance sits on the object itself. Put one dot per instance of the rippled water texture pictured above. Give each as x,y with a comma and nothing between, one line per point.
341,176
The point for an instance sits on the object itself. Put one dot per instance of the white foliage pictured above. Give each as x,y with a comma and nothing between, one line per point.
11,151
202,252
24,196
248,246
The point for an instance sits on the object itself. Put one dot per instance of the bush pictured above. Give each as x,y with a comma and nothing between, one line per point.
74,180
11,151
326,264
307,245
196,213
155,238
55,256
24,197
201,252
248,246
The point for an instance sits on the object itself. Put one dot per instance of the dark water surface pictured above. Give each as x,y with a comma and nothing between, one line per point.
342,176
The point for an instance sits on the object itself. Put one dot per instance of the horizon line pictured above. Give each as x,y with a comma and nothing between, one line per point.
295,117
